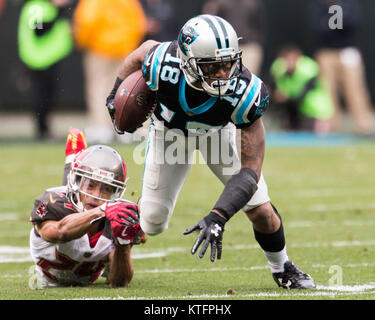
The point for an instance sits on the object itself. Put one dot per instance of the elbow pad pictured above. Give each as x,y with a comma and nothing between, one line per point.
239,189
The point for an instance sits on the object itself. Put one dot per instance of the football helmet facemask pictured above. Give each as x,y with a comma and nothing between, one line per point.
206,44
99,167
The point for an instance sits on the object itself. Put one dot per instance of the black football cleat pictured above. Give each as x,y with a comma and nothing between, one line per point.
293,278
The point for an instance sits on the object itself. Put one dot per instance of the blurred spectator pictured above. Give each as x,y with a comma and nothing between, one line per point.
107,31
246,16
2,6
341,62
161,19
299,90
44,39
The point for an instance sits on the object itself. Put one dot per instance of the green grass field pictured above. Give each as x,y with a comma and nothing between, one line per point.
324,194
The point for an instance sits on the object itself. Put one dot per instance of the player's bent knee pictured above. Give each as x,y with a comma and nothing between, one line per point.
261,212
153,218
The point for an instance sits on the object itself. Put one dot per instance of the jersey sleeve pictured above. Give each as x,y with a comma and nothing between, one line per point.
152,63
50,205
252,104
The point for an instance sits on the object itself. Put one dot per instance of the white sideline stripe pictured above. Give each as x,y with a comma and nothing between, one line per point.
193,270
148,255
339,207
8,216
321,193
202,270
252,268
8,203
347,223
22,254
318,292
12,250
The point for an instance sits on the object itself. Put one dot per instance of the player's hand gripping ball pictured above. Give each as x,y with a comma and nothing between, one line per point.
134,102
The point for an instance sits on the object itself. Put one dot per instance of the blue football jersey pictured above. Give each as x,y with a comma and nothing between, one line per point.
190,110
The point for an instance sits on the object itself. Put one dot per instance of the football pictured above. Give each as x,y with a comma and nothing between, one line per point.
134,102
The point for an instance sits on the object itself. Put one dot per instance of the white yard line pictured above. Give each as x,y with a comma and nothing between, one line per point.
320,291
8,203
5,216
22,254
312,224
320,193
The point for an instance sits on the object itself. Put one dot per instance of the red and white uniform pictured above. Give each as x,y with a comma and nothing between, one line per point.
77,262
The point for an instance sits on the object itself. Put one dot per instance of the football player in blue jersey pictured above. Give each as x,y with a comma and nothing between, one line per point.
203,90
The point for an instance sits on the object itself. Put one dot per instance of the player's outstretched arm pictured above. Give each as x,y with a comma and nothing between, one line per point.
237,192
70,227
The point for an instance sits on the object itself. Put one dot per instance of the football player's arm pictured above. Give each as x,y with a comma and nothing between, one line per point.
71,227
121,267
237,192
253,142
241,186
133,61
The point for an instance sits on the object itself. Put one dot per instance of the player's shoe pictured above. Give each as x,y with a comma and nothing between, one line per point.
75,142
293,278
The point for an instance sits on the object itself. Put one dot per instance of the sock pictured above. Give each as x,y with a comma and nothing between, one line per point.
276,260
273,246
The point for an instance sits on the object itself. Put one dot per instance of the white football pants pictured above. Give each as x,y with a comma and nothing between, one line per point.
168,159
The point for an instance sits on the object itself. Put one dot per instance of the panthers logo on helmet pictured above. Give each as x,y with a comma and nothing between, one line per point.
187,36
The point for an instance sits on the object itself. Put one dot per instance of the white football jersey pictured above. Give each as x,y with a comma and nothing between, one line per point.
71,263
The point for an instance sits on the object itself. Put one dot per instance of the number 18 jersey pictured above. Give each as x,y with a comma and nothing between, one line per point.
182,107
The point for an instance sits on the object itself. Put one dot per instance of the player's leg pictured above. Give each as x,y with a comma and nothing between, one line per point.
269,232
266,221
162,180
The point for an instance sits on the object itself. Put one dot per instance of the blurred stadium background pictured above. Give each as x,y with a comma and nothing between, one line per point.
284,22
325,193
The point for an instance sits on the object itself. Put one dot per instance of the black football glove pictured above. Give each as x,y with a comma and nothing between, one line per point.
111,106
211,230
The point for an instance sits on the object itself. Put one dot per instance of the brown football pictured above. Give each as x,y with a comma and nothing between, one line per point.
134,102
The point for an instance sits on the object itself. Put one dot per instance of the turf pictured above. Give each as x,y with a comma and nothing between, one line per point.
324,194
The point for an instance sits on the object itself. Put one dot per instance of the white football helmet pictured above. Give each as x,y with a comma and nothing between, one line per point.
102,164
210,40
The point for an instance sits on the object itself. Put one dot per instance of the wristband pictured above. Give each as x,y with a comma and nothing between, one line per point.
237,192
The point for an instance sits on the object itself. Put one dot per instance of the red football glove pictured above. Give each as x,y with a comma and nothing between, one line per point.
126,234
124,219
124,213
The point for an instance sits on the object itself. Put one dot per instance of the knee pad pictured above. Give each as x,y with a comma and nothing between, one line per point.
153,217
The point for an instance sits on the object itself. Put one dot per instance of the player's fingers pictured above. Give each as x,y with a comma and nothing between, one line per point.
204,248
219,249
191,229
127,223
125,220
197,242
130,211
213,250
